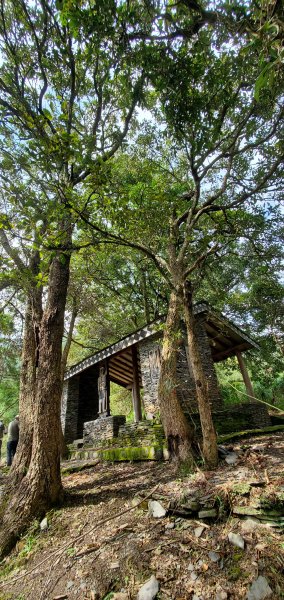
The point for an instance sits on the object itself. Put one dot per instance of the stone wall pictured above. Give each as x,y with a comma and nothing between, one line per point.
239,417
110,438
69,408
88,397
102,429
115,432
79,403
149,352
208,364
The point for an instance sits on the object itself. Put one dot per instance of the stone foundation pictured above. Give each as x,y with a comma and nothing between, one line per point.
102,429
110,438
238,417
113,431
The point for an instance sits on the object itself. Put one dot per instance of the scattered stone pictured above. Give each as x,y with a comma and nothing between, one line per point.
257,448
191,505
250,525
221,594
149,590
114,565
193,576
211,513
231,458
198,531
214,556
223,451
237,540
44,524
156,510
186,526
120,596
191,567
170,526
259,589
195,597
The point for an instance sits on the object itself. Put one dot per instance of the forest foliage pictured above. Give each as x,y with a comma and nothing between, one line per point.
200,107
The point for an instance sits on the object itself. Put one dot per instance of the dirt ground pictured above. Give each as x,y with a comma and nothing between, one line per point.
101,545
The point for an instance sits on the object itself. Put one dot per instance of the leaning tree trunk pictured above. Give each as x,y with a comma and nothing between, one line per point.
41,487
210,450
29,360
177,429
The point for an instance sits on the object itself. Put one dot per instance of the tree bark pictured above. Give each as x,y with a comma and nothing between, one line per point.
178,431
210,450
29,360
246,377
41,487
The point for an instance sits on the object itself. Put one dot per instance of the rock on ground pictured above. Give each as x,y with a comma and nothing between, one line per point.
44,524
156,510
149,590
231,458
237,540
259,589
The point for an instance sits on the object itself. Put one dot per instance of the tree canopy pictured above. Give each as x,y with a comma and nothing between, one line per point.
141,152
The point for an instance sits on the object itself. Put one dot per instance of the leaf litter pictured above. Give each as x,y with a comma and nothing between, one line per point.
103,544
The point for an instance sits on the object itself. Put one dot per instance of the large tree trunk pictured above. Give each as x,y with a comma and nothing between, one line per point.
41,487
177,429
29,361
210,450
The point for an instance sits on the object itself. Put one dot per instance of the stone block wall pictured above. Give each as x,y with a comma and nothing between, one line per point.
114,432
186,388
239,417
88,398
69,408
149,352
102,429
208,364
79,403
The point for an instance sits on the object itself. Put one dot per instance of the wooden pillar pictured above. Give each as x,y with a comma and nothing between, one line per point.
246,376
135,387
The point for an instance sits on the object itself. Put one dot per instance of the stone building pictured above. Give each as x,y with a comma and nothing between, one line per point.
134,363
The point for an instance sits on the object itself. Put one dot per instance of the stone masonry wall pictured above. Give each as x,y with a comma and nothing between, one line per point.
69,408
102,429
108,432
88,398
149,351
239,417
208,364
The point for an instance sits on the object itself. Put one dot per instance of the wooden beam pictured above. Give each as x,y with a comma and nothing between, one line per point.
217,335
122,376
135,387
246,377
118,382
230,352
